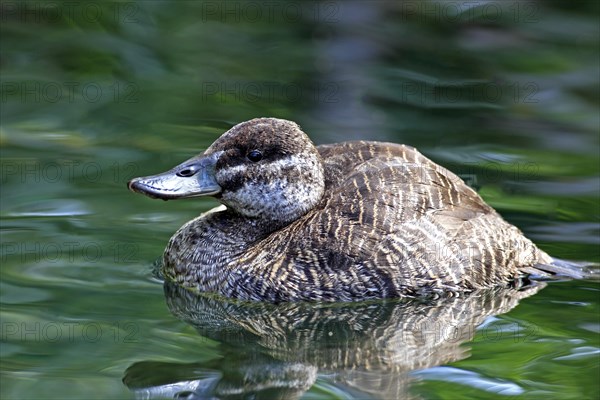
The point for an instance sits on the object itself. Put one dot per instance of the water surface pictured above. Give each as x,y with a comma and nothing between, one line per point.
93,94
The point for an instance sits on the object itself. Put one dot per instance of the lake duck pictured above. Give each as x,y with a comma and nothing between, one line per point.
339,222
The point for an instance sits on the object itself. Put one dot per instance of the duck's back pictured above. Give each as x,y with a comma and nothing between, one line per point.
393,223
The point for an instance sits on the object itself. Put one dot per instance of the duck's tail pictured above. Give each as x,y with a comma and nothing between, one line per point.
561,269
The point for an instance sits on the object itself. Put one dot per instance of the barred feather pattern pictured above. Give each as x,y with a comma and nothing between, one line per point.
389,223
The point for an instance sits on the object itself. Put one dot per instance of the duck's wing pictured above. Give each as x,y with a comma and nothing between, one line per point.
391,208
362,177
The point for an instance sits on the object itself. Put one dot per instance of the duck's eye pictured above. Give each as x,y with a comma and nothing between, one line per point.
254,155
187,171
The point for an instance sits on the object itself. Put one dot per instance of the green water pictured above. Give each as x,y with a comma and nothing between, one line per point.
95,93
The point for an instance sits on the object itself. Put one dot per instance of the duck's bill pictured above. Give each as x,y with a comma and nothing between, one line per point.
195,177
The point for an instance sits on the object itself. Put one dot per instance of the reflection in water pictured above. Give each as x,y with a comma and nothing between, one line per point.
365,350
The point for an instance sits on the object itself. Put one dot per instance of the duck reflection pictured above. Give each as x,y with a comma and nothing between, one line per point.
359,350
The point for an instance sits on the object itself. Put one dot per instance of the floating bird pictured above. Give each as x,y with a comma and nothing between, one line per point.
339,222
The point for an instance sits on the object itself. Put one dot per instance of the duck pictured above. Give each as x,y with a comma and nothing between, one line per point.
356,220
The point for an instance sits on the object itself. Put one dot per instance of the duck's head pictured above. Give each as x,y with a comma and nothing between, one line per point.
263,168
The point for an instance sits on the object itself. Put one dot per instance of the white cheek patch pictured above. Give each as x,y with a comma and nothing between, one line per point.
277,165
296,185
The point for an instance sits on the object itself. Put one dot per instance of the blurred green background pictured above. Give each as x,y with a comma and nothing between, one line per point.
505,93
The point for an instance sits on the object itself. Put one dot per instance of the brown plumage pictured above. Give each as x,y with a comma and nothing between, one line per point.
345,221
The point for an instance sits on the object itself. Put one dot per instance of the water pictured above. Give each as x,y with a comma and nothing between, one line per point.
503,93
